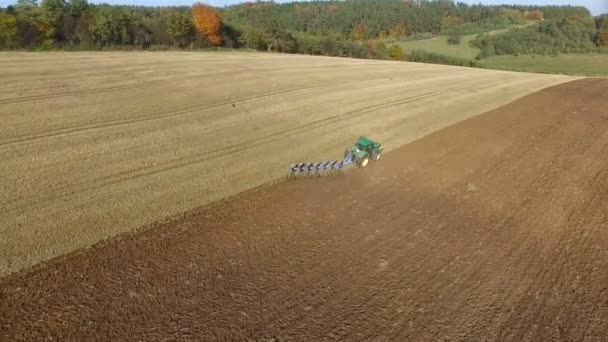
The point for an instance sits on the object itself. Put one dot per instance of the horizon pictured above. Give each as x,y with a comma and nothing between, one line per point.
595,7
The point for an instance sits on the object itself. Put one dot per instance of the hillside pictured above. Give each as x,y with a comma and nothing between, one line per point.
358,28
467,53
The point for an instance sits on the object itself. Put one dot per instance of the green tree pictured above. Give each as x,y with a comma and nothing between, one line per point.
111,26
103,29
396,52
82,31
8,30
77,7
158,24
307,43
276,38
601,22
377,49
550,36
52,12
72,27
252,38
27,16
119,26
179,29
27,10
329,47
455,37
280,41
356,50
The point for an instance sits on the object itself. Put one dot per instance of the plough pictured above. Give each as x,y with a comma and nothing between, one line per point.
359,153
320,166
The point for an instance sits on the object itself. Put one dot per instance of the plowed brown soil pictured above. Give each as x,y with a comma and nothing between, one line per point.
495,228
95,144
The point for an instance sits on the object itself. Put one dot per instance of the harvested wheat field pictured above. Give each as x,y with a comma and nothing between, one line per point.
494,228
97,144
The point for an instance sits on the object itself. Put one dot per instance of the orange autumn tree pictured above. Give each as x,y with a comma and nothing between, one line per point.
207,22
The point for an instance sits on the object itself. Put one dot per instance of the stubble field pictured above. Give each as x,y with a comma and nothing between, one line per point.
97,144
492,229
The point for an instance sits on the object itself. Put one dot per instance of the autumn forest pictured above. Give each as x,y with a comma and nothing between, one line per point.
356,28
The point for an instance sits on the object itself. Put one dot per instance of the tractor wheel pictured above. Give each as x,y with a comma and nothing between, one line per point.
376,155
363,161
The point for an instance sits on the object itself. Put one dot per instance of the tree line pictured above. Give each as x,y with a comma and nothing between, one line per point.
354,28
580,34
78,24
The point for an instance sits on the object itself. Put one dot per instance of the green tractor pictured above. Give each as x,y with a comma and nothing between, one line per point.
362,151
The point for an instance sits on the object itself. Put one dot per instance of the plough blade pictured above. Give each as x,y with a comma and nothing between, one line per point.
312,167
321,166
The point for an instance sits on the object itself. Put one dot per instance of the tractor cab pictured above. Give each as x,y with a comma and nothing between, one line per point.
363,150
365,144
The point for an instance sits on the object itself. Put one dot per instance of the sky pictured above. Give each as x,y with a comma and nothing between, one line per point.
595,6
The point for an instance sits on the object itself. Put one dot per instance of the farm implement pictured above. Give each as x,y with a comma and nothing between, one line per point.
360,153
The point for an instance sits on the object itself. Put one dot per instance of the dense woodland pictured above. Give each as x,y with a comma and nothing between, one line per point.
552,36
354,28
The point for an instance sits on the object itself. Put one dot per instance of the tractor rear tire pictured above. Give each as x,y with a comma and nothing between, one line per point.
363,161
